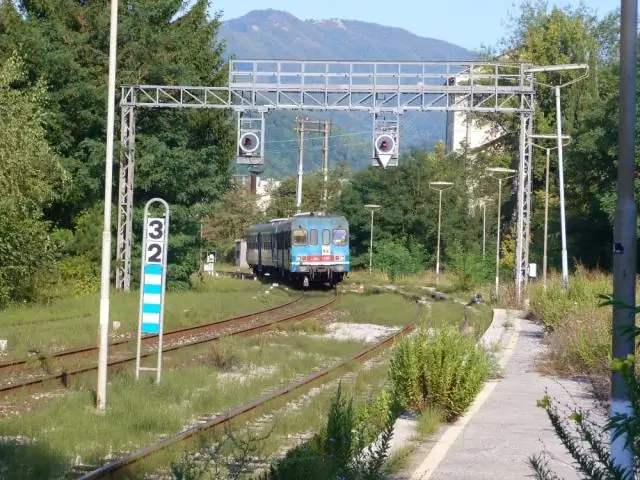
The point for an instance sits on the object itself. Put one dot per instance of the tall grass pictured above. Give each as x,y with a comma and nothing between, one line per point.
578,329
73,322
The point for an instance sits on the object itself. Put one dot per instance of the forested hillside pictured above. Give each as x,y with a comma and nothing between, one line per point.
53,77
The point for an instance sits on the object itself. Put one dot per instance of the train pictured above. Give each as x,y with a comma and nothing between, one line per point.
310,247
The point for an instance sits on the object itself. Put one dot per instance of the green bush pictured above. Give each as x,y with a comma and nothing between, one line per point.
395,259
554,306
340,450
469,267
79,275
444,370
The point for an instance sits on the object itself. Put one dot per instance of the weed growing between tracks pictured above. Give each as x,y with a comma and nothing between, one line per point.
73,322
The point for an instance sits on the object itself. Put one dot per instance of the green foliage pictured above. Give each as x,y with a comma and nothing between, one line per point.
31,177
79,275
352,446
182,156
445,370
283,197
586,441
408,219
395,259
468,267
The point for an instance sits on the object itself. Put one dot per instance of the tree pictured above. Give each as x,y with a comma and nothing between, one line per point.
31,177
548,36
182,156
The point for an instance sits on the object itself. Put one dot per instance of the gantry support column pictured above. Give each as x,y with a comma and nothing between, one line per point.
523,228
125,200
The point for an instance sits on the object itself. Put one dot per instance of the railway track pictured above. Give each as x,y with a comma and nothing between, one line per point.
11,366
175,340
125,468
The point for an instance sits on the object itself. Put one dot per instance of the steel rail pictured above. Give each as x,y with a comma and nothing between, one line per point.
108,470
11,365
65,376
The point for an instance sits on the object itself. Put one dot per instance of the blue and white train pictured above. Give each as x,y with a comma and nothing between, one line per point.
308,247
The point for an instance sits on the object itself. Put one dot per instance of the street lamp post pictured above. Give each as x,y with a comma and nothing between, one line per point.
546,201
372,208
556,88
439,187
103,342
501,174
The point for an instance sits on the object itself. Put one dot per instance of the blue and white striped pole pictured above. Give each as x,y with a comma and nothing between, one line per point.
153,281
152,293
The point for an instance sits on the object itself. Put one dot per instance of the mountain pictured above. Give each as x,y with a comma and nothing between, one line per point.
273,34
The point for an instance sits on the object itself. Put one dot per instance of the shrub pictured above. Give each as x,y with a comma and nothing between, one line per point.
340,450
395,259
468,267
79,275
446,371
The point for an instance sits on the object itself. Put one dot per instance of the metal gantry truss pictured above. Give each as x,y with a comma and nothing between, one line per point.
375,87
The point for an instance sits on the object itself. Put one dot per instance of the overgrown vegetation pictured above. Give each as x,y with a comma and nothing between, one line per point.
588,441
442,369
44,329
578,330
353,445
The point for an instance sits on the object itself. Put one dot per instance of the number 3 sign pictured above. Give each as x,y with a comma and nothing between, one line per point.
153,279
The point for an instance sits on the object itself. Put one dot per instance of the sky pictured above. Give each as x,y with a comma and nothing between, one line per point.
477,22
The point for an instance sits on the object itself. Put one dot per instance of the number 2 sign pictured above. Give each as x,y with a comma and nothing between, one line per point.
153,279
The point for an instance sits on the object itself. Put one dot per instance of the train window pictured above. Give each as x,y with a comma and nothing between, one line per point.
340,237
313,237
326,237
300,237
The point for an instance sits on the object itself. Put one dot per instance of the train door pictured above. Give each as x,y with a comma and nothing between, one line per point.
282,247
326,242
260,252
313,242
274,250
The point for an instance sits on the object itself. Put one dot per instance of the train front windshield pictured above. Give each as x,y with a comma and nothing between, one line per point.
340,237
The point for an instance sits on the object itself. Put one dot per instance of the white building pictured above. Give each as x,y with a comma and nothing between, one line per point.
264,188
471,132
468,129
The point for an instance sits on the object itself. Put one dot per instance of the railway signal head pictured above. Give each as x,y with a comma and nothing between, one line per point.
249,142
384,145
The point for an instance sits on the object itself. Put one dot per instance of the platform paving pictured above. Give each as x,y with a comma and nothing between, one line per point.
504,427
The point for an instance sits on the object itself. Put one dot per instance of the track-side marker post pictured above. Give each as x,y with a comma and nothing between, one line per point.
153,277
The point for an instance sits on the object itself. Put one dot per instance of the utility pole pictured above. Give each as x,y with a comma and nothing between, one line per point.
624,233
103,332
502,174
546,200
325,163
300,124
306,125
